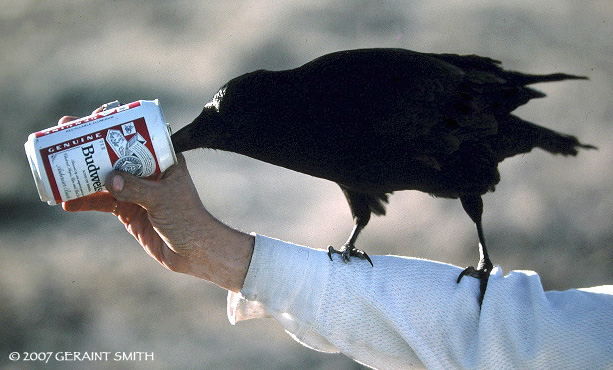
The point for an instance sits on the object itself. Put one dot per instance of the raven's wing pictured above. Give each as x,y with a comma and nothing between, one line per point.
409,101
466,98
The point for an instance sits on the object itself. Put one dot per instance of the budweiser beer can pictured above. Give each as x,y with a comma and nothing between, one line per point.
72,160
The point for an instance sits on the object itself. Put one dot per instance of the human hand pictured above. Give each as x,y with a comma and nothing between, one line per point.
166,216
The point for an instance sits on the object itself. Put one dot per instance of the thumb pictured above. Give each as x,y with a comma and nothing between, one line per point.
126,187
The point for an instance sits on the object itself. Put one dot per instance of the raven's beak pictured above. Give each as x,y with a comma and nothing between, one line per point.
203,132
184,139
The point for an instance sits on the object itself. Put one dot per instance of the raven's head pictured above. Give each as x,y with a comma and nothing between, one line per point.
206,131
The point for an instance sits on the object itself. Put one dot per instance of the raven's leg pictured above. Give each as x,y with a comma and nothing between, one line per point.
361,205
473,205
348,249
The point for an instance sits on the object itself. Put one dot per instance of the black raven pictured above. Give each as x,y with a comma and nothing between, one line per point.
380,120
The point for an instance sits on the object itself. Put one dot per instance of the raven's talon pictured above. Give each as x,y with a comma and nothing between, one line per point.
469,271
330,251
348,251
482,273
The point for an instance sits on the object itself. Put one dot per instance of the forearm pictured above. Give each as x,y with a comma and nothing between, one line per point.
406,310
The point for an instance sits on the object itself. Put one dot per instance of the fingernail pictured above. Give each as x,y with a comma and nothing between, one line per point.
118,183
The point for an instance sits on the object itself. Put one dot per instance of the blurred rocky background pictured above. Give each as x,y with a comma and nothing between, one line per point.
78,282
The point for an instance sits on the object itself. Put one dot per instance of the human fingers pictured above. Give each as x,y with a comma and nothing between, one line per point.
172,186
126,187
101,201
66,119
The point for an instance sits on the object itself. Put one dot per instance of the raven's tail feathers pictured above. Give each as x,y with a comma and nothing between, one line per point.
528,79
516,136
557,143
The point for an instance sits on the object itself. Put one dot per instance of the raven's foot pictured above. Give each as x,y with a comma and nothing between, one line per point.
347,251
482,273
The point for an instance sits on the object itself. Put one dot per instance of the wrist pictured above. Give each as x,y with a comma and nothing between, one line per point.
221,254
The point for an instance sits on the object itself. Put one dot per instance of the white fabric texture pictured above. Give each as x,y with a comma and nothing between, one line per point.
407,311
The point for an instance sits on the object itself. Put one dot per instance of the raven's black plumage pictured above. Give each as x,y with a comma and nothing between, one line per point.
380,120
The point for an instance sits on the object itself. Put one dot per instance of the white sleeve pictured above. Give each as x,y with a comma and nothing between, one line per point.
406,311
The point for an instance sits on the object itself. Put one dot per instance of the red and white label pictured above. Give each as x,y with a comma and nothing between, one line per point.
78,166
